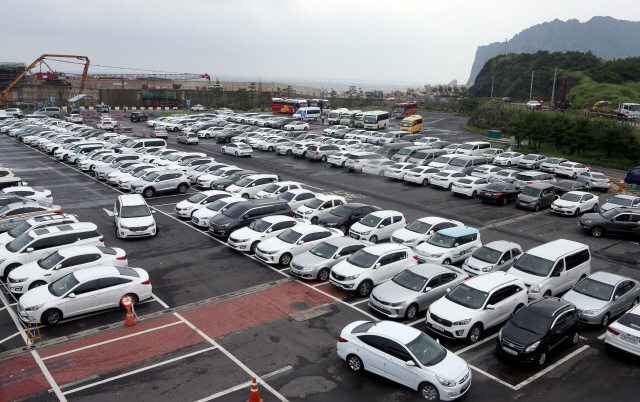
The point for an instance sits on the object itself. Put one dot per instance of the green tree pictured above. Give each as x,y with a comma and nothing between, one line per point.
288,91
252,92
278,92
333,95
581,135
242,98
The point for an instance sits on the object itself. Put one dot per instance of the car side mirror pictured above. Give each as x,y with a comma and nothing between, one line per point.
71,296
115,214
490,307
57,267
269,230
427,289
431,232
321,208
410,363
301,242
381,226
555,274
336,256
30,249
616,297
376,266
253,184
502,262
153,211
456,245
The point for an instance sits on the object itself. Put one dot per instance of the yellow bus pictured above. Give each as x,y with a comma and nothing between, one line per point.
412,124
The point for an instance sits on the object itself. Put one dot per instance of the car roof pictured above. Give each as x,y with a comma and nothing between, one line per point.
279,218
95,272
383,213
400,332
530,173
14,205
540,186
71,251
459,231
127,200
342,241
62,228
548,306
261,176
625,196
428,269
379,249
307,228
490,281
607,277
555,249
502,245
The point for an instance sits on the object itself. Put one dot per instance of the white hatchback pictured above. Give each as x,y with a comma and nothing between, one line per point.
398,170
420,175
378,225
508,159
420,230
31,193
248,238
570,169
293,241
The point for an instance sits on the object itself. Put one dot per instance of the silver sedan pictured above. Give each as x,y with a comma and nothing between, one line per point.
414,289
317,262
603,295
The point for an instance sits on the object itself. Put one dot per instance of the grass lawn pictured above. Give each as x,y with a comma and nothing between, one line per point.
586,157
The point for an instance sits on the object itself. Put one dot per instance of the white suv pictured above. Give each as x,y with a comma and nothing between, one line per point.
476,305
371,266
313,209
133,218
450,246
420,230
377,226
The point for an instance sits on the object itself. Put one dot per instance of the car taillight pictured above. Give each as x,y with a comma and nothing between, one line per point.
357,161
101,240
397,171
527,291
124,257
415,257
613,331
593,180
147,282
468,277
48,196
57,212
317,153
468,187
341,339
529,182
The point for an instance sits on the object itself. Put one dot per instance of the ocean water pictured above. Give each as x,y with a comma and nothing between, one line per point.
328,83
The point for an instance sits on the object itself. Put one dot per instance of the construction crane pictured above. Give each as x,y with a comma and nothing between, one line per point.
564,103
3,95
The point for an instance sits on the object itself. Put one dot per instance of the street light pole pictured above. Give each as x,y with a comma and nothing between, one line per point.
492,79
531,90
553,91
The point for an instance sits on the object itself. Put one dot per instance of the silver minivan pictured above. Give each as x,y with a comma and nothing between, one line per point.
426,156
405,154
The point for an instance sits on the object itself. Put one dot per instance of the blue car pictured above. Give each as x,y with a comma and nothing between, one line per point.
633,176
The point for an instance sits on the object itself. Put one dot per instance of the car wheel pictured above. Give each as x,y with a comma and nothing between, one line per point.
323,158
285,259
381,173
541,359
182,188
373,239
270,149
149,192
37,284
118,233
575,176
355,363
235,153
223,151
9,269
245,196
51,317
253,247
289,153
575,338
429,392
537,207
447,261
547,293
323,275
595,208
157,231
344,164
474,194
55,115
364,288
314,220
343,229
411,312
605,321
504,200
508,164
65,158
474,334
131,295
635,303
577,212
207,136
597,231
518,307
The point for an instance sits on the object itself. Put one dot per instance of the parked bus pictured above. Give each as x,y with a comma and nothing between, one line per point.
412,124
405,109
334,115
347,118
323,104
629,110
278,103
376,120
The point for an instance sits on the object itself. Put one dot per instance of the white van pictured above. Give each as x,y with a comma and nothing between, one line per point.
310,113
552,268
473,148
136,144
334,115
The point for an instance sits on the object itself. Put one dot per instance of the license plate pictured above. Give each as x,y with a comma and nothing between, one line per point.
465,387
355,236
334,283
375,303
138,233
631,339
438,327
510,351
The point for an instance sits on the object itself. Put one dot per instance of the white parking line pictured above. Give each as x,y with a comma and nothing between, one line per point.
47,374
137,371
416,322
243,385
551,367
461,351
602,336
9,337
506,384
360,301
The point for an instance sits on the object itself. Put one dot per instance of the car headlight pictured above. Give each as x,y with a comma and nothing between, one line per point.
462,322
12,280
123,226
34,308
587,221
330,224
410,240
188,208
398,304
532,347
500,334
487,269
446,382
225,225
366,233
536,289
591,312
308,212
352,277
436,255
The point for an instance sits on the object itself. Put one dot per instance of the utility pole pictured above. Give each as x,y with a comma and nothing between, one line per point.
553,91
492,79
531,90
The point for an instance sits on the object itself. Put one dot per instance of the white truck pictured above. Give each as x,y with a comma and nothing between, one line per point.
629,110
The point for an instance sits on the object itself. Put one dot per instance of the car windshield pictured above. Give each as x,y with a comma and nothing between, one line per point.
151,177
630,320
487,254
271,188
625,202
419,227
565,164
530,191
20,229
571,197
19,243
63,285
287,196
108,159
166,156
441,240
458,162
467,296
410,280
217,205
362,259
533,265
341,211
260,225
174,158
135,211
202,168
314,203
370,220
324,250
599,176
197,198
421,155
289,236
426,350
531,157
443,159
128,169
595,289
404,151
553,161
130,143
140,173
50,261
244,182
185,162
116,165
531,321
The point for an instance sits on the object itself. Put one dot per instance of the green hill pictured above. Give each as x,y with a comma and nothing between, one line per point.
591,79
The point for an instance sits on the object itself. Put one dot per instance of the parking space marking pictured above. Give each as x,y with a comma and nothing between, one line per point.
47,375
416,322
461,351
14,317
9,337
243,385
137,371
551,367
360,301
602,336
112,340
506,384
512,220
317,188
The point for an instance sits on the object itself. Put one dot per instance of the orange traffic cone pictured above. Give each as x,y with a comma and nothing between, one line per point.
254,396
127,302
143,136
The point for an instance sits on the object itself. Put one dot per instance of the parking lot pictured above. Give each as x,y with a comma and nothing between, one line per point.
220,317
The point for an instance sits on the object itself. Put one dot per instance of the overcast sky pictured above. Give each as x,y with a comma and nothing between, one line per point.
395,40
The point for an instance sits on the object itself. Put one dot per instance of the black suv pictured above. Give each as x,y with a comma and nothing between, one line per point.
226,136
538,329
137,116
346,215
280,123
243,213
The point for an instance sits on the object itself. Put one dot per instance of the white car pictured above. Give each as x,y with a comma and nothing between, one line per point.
476,305
174,159
275,189
338,159
624,333
32,193
485,171
446,178
329,131
202,216
398,170
469,186
570,169
377,166
575,202
450,246
248,238
319,206
533,104
492,257
371,266
107,124
271,144
206,180
133,218
60,263
378,225
78,293
442,161
198,107
420,230
296,126
410,358
149,158
282,248
186,208
249,186
357,160
297,197
420,175
505,176
490,154
237,149
87,164
508,159
125,181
